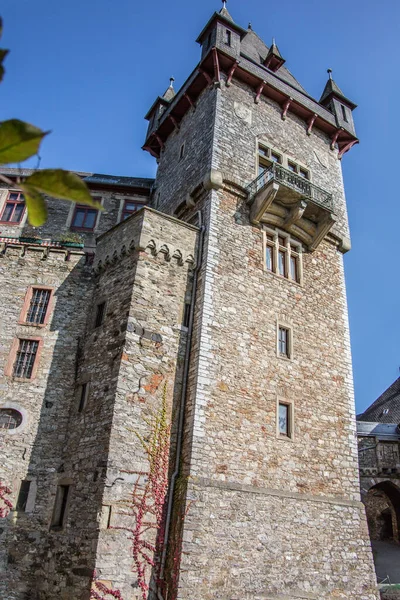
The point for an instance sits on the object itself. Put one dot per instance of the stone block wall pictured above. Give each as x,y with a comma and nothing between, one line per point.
237,466
34,450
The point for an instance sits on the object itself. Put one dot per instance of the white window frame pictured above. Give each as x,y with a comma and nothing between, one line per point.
290,405
289,242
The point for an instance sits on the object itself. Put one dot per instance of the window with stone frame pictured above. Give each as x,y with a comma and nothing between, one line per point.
25,358
36,306
267,156
282,255
84,217
13,209
284,419
60,506
129,208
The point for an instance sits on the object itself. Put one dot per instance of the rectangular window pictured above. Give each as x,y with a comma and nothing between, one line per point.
23,495
282,263
294,268
83,396
282,256
186,315
84,218
284,341
14,209
38,306
25,360
292,167
275,157
344,113
182,152
304,173
100,311
60,506
129,208
284,418
228,38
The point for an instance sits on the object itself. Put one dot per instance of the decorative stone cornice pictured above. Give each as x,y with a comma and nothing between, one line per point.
149,231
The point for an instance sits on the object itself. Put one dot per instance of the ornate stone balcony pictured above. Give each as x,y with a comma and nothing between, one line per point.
281,198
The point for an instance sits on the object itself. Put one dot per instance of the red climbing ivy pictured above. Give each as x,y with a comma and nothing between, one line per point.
100,591
5,503
148,501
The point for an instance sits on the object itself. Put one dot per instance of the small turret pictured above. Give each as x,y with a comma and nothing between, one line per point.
159,106
221,28
335,101
274,60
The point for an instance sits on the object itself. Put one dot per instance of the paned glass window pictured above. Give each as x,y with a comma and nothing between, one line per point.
129,209
38,306
283,342
26,356
284,419
10,418
14,208
282,256
84,218
266,157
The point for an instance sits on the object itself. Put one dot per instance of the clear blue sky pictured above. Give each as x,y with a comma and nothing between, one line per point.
89,71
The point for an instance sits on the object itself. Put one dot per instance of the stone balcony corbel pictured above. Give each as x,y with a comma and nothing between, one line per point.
280,198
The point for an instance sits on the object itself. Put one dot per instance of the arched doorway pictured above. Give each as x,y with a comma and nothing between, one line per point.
382,507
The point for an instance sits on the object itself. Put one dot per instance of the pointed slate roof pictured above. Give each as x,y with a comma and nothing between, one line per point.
274,59
225,13
169,92
386,409
254,47
332,89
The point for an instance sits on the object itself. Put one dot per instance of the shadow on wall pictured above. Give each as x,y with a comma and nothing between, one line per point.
52,550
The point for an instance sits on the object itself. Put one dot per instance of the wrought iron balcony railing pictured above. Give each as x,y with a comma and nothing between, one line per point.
291,180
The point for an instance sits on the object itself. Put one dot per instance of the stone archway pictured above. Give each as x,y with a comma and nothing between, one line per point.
382,505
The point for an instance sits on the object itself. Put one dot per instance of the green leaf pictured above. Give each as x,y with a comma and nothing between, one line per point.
62,184
36,205
18,141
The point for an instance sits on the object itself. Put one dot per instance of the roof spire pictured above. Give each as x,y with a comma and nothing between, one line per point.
274,60
224,11
170,92
329,71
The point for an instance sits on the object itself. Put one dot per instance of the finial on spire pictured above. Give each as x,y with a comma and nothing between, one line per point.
171,82
224,3
329,71
249,26
273,41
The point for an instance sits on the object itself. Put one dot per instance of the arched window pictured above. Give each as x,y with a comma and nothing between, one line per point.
10,418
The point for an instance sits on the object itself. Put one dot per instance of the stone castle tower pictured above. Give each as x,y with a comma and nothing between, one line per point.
211,323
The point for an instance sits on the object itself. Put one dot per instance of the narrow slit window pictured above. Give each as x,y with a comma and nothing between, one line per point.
26,356
23,495
182,152
100,313
284,342
284,419
83,396
294,268
60,506
228,37
344,113
282,263
38,306
186,315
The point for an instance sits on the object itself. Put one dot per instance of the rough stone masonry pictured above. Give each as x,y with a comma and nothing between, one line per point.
187,429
